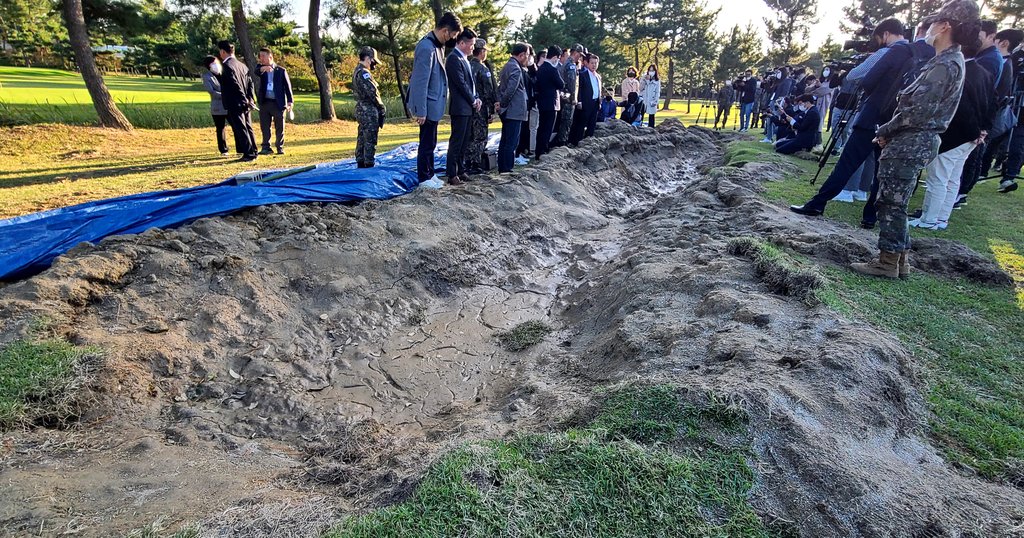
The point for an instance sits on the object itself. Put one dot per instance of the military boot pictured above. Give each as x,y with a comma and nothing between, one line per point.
886,266
904,264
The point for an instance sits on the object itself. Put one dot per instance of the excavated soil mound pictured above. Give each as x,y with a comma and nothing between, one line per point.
280,367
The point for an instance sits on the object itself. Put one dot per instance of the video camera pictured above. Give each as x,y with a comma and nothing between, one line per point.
847,63
864,45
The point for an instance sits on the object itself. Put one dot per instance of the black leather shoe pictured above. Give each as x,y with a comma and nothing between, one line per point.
247,158
806,211
265,151
867,225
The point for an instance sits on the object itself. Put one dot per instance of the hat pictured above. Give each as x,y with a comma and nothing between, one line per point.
370,52
480,44
577,48
956,11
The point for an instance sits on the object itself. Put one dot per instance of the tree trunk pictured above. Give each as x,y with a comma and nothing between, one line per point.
636,58
438,9
107,111
671,82
244,44
316,46
398,70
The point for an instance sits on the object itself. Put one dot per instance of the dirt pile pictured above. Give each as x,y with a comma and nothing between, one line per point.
262,363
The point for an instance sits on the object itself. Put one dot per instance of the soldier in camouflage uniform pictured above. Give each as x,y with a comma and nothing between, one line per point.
570,74
911,139
370,110
487,89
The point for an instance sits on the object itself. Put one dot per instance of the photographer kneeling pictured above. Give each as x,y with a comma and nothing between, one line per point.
910,140
805,127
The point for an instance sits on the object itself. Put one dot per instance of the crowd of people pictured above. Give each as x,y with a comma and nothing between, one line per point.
544,98
943,104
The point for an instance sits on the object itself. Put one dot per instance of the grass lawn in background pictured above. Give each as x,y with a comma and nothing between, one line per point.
966,335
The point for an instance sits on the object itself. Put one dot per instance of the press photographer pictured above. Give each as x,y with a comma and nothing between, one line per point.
804,122
879,77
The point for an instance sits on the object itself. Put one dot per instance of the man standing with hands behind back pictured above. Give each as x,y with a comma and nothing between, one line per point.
236,92
463,104
428,89
275,98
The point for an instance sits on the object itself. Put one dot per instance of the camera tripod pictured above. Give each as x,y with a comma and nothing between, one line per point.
835,134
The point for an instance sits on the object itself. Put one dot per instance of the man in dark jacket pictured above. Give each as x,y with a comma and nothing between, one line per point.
275,98
880,85
428,90
464,102
236,94
589,100
805,128
549,88
748,93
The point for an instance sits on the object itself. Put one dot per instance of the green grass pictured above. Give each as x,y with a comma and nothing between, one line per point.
39,95
779,270
966,335
40,382
605,480
523,336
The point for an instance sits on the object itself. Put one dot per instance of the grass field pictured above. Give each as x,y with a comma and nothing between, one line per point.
38,95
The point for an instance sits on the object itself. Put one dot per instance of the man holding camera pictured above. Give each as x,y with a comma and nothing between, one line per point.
880,84
805,123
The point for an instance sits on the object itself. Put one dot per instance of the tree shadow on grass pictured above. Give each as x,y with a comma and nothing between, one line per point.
109,171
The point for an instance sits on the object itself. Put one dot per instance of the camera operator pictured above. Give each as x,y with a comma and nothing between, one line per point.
881,77
910,140
725,98
805,125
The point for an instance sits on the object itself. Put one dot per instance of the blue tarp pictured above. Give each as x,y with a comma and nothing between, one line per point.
30,243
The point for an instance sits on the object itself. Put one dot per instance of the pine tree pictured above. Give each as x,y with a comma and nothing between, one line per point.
788,32
741,50
1008,11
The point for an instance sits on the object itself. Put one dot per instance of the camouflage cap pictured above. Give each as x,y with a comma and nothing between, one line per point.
480,44
368,52
578,48
956,11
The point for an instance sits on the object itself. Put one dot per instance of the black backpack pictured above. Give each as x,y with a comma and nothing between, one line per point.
907,74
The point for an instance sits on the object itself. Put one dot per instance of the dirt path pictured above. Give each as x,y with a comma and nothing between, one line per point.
277,368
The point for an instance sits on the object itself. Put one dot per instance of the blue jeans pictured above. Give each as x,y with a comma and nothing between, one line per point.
507,146
745,110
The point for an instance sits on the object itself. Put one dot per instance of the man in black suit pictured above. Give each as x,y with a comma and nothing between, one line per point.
549,87
464,102
236,94
584,123
275,99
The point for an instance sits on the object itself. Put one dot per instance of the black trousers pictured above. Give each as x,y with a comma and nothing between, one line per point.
245,138
972,169
425,152
584,121
858,147
545,128
458,143
220,121
523,147
650,120
270,112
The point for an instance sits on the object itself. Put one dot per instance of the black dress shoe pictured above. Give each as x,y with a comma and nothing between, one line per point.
247,158
280,151
265,151
867,225
806,211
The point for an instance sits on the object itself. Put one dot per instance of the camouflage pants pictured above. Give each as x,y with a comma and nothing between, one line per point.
896,179
564,123
366,137
479,124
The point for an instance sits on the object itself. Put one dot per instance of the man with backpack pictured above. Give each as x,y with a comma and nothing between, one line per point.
893,67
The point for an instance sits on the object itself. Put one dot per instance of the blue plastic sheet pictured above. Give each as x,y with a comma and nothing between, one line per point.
30,243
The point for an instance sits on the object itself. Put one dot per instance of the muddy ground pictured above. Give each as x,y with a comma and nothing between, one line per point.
271,371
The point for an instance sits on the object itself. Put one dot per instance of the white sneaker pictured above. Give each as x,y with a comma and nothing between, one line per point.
918,223
942,225
845,196
432,183
860,196
767,141
522,161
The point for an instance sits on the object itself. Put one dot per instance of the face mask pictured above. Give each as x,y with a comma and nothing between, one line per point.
631,75
216,69
651,73
826,73
929,37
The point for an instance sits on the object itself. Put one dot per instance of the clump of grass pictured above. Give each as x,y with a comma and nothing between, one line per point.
41,382
779,271
594,481
524,336
661,413
157,529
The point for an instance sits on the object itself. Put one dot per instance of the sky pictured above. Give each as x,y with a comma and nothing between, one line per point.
740,12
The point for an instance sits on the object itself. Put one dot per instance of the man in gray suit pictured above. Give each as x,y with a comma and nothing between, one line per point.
428,89
512,105
464,102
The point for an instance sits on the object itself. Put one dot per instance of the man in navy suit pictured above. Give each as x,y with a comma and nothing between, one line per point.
589,101
805,128
275,98
549,88
463,103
